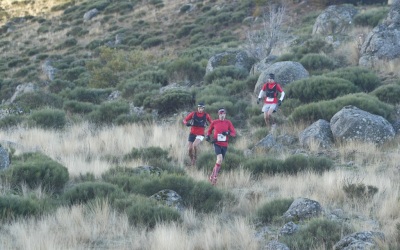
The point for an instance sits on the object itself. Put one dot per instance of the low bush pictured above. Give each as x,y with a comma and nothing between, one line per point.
388,93
226,71
317,62
58,85
326,109
316,234
272,209
146,212
14,207
185,30
319,88
108,112
185,69
48,119
363,78
71,74
313,45
82,94
371,17
34,170
153,76
38,99
10,121
171,101
262,165
77,107
359,191
86,191
151,42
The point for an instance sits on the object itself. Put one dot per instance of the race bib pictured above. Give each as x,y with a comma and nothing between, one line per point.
221,137
270,99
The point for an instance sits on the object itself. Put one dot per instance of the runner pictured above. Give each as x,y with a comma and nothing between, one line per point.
223,128
270,89
198,121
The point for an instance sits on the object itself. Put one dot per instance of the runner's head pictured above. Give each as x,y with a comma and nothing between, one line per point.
271,77
200,107
221,113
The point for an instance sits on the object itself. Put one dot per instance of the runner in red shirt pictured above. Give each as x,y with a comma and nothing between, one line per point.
223,128
270,89
198,121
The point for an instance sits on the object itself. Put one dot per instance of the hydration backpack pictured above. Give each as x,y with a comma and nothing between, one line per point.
270,93
199,121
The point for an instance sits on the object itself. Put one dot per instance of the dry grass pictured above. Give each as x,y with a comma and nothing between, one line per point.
79,148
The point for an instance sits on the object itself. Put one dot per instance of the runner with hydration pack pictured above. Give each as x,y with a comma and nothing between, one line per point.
271,102
198,120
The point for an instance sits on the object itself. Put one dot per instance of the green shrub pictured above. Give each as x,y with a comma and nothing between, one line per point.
152,42
147,212
226,71
295,163
95,96
326,109
258,166
313,45
119,7
108,112
71,74
147,154
132,88
171,101
77,31
17,62
275,208
316,234
320,164
363,78
359,191
34,169
86,191
153,76
10,121
185,30
185,69
67,43
388,93
319,88
38,99
13,207
315,62
205,198
371,17
103,77
48,119
58,85
79,107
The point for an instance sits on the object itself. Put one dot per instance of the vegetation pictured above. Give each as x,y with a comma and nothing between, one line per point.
100,131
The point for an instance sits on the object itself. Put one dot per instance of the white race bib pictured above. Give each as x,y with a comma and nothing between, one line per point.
270,99
221,137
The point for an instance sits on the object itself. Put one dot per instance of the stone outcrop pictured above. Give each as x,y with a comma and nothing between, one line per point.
303,208
318,133
239,59
334,20
352,123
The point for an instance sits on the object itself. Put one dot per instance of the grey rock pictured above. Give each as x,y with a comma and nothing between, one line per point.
319,132
237,58
336,19
276,245
285,73
383,42
4,158
352,123
49,70
303,208
289,228
360,241
90,14
170,198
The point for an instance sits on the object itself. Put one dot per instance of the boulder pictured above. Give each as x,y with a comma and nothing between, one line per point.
383,42
237,58
303,208
170,198
334,20
352,123
90,14
285,73
288,229
4,158
319,133
360,240
276,245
